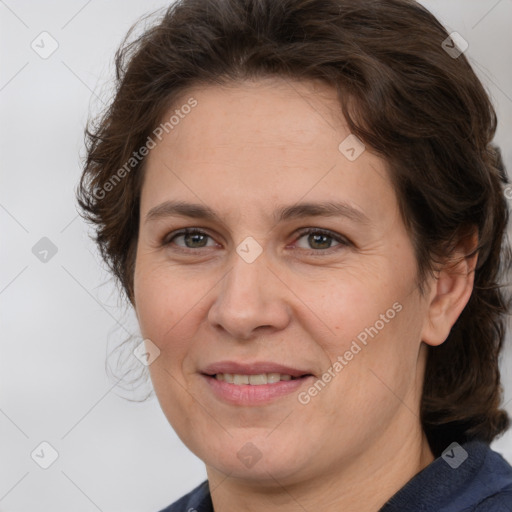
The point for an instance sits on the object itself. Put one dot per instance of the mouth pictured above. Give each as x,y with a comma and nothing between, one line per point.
255,383
258,379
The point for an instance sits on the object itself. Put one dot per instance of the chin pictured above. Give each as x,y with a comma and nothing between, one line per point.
257,459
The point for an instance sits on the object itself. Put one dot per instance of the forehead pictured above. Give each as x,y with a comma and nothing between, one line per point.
265,141
271,112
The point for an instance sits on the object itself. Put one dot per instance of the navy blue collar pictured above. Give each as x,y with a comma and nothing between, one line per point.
461,478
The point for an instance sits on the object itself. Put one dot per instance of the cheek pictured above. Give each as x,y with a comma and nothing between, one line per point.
168,305
166,302
374,379
370,323
349,305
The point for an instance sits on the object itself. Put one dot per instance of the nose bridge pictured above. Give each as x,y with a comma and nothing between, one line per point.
248,297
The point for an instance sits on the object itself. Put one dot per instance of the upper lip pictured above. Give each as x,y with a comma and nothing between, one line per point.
254,368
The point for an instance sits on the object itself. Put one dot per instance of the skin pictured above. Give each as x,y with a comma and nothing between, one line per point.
243,150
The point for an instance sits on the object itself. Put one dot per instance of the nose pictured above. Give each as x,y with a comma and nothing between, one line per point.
250,298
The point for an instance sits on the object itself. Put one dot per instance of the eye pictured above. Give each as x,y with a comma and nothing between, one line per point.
321,240
193,238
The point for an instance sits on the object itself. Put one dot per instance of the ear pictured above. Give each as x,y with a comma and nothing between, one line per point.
450,291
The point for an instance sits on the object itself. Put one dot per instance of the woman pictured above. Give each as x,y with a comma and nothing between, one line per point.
302,203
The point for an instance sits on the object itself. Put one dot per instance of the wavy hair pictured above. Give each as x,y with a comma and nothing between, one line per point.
421,108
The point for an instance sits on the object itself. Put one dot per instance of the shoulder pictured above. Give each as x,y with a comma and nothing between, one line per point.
467,478
499,473
501,502
197,500
490,488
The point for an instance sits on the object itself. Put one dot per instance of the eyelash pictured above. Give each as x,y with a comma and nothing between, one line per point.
344,242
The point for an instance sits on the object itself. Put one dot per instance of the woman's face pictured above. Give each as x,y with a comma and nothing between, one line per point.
328,323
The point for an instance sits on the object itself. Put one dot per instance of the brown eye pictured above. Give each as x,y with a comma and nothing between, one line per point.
321,240
192,238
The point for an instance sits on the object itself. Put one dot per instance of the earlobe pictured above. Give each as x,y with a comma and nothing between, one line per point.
449,293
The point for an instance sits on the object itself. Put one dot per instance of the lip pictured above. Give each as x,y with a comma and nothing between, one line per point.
252,395
253,368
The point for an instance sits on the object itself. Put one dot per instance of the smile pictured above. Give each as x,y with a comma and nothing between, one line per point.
253,380
256,389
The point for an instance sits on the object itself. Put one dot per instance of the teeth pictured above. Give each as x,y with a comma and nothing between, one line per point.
240,379
273,377
254,380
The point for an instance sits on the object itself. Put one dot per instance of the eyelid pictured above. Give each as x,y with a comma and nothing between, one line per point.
327,232
342,240
169,237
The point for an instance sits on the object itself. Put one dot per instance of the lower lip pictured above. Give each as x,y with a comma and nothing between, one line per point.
248,394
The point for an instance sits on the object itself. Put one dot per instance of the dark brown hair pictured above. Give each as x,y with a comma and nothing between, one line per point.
420,108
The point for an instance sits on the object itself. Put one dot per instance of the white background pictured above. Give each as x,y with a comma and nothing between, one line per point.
59,317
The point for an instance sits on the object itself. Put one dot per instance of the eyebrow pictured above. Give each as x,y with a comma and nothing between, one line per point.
281,213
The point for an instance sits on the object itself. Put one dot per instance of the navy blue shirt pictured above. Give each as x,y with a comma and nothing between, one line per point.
475,479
